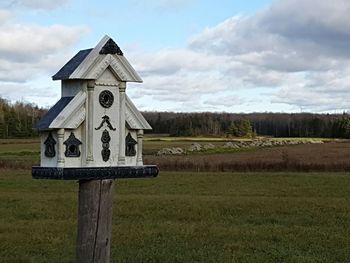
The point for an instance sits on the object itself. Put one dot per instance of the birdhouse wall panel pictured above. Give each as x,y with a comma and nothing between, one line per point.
106,125
48,161
71,87
107,78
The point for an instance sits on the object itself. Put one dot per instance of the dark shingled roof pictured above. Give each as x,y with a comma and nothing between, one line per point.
46,120
71,65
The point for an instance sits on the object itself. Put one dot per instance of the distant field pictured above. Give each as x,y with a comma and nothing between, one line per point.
185,217
330,156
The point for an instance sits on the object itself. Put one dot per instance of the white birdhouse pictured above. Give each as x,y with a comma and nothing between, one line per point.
94,124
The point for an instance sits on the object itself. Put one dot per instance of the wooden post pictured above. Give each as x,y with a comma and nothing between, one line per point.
94,221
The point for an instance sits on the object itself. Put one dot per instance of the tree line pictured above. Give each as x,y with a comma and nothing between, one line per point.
250,124
18,119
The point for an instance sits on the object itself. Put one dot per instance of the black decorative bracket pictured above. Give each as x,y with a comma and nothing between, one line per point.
105,119
111,48
50,146
106,98
130,143
106,152
72,146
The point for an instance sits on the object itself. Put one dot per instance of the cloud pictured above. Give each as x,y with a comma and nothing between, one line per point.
26,50
24,43
164,6
325,27
43,4
5,16
41,94
30,51
297,49
293,53
34,4
226,101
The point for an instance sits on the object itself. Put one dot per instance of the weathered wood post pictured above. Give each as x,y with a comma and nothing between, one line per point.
94,221
90,135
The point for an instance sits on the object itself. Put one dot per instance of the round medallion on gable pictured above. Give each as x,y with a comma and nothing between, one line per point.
106,99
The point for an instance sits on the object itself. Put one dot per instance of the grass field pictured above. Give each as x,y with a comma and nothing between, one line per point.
186,217
190,216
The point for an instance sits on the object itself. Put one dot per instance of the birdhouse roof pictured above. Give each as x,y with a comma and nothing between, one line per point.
91,63
72,65
69,113
134,118
47,119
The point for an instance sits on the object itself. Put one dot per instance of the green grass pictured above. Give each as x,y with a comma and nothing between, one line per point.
20,149
186,217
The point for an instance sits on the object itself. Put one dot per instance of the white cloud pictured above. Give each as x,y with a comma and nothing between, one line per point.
294,53
30,51
43,4
37,92
29,43
5,16
164,6
226,101
34,4
297,49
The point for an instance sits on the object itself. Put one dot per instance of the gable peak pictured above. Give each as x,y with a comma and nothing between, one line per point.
111,48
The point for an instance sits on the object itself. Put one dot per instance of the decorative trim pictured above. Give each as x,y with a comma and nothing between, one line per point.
90,85
108,84
129,69
95,64
111,48
139,147
72,146
119,69
95,173
122,87
134,118
106,152
105,119
50,146
99,67
72,115
130,143
121,154
106,98
76,120
89,118
60,138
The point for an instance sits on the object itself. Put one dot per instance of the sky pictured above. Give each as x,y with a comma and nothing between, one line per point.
193,55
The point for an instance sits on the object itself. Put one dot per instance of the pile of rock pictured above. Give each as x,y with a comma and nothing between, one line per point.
267,143
195,147
209,146
171,151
